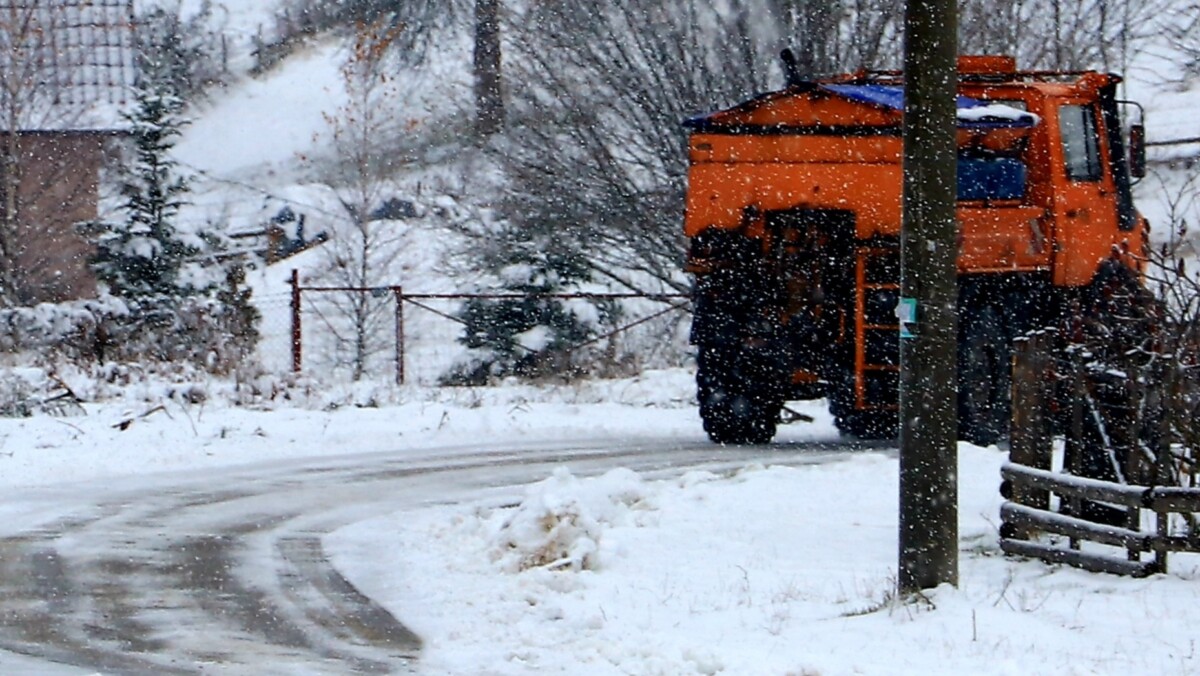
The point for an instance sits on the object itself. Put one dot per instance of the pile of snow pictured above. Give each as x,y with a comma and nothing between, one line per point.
561,522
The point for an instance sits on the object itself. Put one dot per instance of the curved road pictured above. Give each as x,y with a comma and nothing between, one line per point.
225,572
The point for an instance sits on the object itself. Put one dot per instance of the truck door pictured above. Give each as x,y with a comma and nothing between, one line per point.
1085,204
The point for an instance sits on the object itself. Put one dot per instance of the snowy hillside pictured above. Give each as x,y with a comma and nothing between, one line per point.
262,146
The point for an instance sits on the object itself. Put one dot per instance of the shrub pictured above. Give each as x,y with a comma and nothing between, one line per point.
216,337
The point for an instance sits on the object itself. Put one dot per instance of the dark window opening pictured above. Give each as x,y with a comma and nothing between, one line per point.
1081,145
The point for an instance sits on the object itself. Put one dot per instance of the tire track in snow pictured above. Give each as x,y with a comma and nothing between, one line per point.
226,572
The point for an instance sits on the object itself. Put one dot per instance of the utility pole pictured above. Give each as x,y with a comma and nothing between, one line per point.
929,291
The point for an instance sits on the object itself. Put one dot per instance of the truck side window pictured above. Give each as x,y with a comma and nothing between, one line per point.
1081,147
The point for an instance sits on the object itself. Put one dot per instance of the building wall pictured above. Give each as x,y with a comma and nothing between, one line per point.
59,190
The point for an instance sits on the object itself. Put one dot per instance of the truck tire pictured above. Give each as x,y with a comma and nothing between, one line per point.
736,407
866,424
984,377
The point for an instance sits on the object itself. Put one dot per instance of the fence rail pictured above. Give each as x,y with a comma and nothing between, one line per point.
1174,142
403,302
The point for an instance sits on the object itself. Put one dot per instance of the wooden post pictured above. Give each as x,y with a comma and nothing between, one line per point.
489,92
398,292
296,328
1124,434
1168,407
928,534
1073,451
1030,439
1162,530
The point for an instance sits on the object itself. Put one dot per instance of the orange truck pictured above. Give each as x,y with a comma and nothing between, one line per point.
793,221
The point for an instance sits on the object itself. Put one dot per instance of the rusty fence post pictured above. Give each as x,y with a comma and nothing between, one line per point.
296,328
399,294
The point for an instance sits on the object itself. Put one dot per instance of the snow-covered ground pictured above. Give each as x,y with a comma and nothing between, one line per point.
764,570
164,433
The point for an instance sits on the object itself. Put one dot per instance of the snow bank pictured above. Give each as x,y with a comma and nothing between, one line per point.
766,570
561,522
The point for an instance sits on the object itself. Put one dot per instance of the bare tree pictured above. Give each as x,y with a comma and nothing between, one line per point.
595,155
489,76
595,152
424,23
361,253
425,19
1182,28
1170,404
811,24
1061,34
1135,340
836,36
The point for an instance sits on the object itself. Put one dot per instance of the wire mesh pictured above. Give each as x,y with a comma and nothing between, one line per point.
275,331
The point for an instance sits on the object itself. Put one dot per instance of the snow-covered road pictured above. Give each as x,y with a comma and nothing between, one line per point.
225,569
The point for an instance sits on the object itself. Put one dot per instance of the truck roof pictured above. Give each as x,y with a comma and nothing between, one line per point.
972,112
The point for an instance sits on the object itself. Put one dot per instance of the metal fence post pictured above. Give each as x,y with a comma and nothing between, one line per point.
399,293
296,329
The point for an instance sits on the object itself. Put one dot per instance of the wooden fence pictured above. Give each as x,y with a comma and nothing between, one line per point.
1113,523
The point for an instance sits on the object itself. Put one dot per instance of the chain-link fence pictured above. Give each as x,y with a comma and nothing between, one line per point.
350,333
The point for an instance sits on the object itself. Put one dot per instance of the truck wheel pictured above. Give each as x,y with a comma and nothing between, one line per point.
734,409
866,424
984,377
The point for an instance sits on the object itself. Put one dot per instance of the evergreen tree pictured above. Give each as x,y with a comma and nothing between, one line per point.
188,50
533,335
239,316
140,256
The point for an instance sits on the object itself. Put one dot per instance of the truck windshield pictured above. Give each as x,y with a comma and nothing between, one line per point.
1081,148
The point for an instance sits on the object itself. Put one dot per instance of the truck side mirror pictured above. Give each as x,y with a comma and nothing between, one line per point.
1137,151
